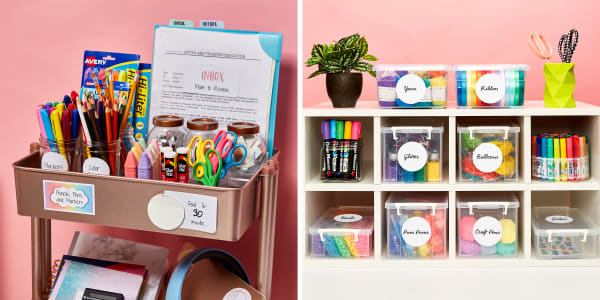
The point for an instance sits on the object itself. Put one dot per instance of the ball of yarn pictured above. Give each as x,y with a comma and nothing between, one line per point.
466,228
488,250
468,248
506,249
509,231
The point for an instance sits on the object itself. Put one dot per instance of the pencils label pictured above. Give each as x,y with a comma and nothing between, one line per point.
200,211
487,231
559,219
490,88
487,157
412,156
410,89
69,197
97,166
54,161
416,231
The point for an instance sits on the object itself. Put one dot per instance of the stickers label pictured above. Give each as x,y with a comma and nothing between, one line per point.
416,231
200,211
412,156
410,89
238,294
490,88
69,197
559,219
348,218
487,157
97,166
54,161
487,231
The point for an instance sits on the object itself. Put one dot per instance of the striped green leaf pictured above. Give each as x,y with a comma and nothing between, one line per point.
317,50
364,47
313,61
316,73
370,57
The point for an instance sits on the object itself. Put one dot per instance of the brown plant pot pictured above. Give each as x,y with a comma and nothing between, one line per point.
344,88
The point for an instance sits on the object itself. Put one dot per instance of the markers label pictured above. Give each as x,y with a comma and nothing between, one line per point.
490,88
410,89
54,161
348,218
69,197
200,211
416,231
487,157
97,166
559,219
487,231
412,156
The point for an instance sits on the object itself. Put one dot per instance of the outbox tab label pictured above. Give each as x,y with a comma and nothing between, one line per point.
69,197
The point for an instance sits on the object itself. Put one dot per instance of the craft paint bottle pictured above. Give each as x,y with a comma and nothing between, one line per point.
391,165
433,167
170,166
182,164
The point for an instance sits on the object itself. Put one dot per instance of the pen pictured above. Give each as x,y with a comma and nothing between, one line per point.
339,134
334,153
563,159
354,154
347,137
544,146
326,133
550,156
576,157
571,172
49,131
539,158
55,119
41,122
556,147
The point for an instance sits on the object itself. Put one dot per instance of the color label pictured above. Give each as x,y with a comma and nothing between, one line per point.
487,157
69,197
94,165
487,231
54,161
416,231
410,89
412,156
200,211
348,218
490,88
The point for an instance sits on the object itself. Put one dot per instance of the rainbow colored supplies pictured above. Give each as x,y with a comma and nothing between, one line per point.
488,86
412,154
408,86
340,150
488,226
344,231
488,153
416,225
560,157
142,99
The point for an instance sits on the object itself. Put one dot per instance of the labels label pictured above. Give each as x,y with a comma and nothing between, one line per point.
412,156
348,218
200,211
490,88
94,165
487,231
54,161
69,197
559,219
416,231
410,89
487,157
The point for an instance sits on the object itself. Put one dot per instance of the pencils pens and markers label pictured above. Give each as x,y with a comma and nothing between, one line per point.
54,161
94,165
559,219
410,89
487,231
416,231
487,157
200,211
348,218
412,156
490,88
69,197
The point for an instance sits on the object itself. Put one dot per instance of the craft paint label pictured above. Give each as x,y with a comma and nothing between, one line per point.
559,219
416,231
182,168
348,218
69,197
97,166
487,231
412,156
490,88
54,161
200,211
487,157
170,169
410,89
238,294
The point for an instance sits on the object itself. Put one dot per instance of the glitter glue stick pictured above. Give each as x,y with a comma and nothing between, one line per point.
182,164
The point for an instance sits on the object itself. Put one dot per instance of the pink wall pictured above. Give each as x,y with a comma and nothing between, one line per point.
41,53
455,32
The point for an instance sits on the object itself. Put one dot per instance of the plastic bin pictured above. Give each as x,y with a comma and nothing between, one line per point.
412,154
416,225
409,86
344,231
560,157
488,86
488,153
563,232
488,227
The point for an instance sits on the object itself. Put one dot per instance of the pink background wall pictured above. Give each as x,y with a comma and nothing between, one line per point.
455,32
41,55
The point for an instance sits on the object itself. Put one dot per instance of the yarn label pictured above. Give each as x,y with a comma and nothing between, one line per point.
412,156
490,88
238,294
97,166
559,219
54,161
348,218
487,157
410,89
69,197
416,231
487,231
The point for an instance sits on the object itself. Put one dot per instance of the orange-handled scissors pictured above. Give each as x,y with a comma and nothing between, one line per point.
540,46
197,153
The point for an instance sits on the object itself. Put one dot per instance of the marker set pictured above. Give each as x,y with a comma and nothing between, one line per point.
340,152
560,157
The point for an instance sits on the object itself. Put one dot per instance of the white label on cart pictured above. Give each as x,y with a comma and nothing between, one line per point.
200,211
348,218
490,88
487,231
412,156
238,294
559,219
54,161
487,157
410,89
416,231
94,165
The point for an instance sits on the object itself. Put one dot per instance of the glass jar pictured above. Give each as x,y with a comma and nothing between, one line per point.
168,131
204,128
103,158
128,138
66,155
256,150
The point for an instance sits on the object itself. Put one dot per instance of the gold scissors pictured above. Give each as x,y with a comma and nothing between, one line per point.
197,153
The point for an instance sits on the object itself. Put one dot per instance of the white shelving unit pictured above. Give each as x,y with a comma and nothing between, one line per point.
379,277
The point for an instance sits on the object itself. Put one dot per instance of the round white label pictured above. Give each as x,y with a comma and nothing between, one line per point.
348,218
410,89
490,88
412,156
487,231
54,161
487,157
94,165
416,231
238,294
559,219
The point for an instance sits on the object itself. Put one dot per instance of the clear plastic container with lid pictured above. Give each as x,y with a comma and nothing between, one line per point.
488,153
488,226
416,225
488,86
168,131
563,232
343,231
409,86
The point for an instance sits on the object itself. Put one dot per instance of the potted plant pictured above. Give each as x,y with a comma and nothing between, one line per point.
338,61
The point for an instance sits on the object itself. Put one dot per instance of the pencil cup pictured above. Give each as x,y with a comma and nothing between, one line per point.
340,160
103,158
560,84
66,155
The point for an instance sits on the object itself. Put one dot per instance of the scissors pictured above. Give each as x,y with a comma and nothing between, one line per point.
196,153
208,177
567,45
226,146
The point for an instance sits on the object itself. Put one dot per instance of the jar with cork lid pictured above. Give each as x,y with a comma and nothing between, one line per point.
168,131
248,136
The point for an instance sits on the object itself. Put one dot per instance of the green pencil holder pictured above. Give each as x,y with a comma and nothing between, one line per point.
560,84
